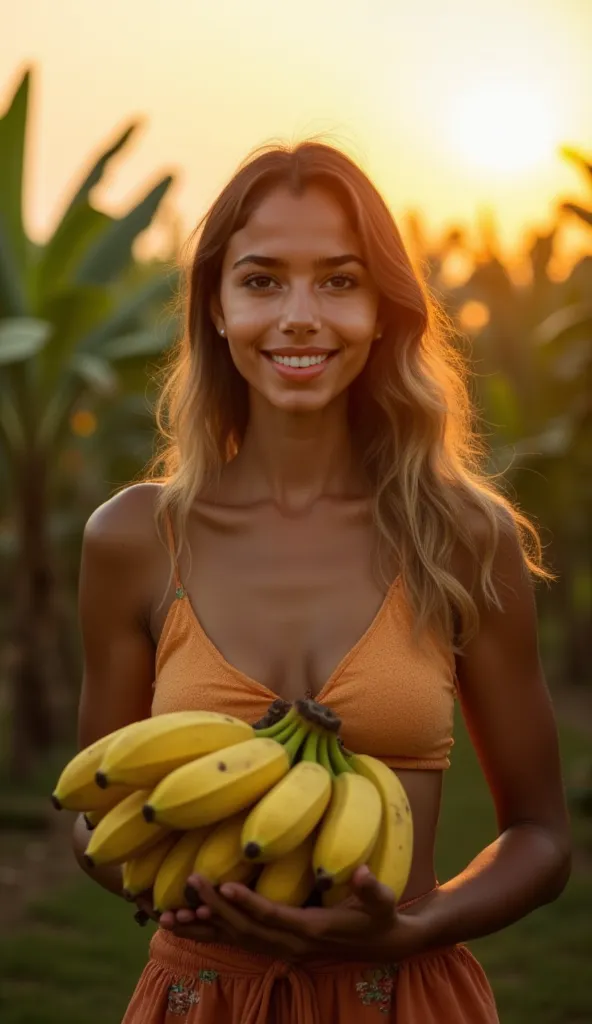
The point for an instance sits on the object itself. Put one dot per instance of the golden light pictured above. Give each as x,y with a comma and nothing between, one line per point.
83,423
473,316
504,126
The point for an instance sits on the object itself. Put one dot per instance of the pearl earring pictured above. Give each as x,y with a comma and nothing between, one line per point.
222,331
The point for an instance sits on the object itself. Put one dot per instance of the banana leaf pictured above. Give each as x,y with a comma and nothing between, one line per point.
13,297
561,321
132,309
81,224
112,252
61,257
21,338
96,173
73,312
13,126
143,343
97,373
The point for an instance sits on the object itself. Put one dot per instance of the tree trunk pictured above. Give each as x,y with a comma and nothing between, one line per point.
30,677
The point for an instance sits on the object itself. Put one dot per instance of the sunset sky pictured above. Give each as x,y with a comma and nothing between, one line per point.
450,107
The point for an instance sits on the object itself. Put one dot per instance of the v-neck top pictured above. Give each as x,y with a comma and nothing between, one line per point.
395,696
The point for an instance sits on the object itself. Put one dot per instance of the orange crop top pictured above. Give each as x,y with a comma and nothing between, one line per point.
394,697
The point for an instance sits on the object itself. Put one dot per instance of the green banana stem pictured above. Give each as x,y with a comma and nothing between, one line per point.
323,754
287,732
273,731
311,746
292,746
348,754
340,764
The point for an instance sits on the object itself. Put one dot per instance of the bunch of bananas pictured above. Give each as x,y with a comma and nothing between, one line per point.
281,806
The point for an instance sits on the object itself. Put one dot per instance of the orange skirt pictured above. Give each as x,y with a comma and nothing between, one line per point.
186,982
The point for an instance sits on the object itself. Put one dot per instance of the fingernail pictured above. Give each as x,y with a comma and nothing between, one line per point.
228,891
142,918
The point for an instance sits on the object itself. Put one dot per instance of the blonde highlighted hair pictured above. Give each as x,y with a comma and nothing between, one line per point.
411,417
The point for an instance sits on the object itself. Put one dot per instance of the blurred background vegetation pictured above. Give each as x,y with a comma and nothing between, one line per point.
84,325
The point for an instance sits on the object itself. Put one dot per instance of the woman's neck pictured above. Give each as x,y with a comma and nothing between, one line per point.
292,460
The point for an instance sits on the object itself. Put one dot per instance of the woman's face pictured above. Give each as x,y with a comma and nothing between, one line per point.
278,305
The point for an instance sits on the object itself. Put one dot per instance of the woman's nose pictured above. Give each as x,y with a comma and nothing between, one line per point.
300,312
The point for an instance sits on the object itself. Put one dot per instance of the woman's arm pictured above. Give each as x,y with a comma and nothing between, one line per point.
117,580
509,714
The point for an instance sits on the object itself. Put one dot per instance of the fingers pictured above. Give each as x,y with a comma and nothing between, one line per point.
273,915
377,899
243,925
185,916
216,904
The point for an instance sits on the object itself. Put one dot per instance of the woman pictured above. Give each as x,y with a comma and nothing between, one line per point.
329,532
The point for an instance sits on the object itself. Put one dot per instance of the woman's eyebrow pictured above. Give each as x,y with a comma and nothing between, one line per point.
322,261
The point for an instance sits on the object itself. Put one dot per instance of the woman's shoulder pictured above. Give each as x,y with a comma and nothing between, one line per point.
125,524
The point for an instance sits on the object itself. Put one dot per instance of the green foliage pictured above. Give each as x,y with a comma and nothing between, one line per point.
531,378
81,326
62,303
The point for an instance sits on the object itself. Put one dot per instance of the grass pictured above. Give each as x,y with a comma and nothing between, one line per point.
79,954
538,968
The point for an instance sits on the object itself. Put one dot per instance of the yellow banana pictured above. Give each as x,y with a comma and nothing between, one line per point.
76,788
220,857
123,833
348,831
115,795
217,785
390,860
337,894
290,879
138,874
288,813
159,745
168,891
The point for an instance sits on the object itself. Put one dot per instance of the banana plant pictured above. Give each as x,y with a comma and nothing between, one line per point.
74,323
532,382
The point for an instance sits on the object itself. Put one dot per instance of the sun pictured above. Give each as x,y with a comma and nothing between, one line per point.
504,127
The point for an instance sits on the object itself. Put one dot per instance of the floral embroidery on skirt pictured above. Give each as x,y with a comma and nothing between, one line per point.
182,994
377,987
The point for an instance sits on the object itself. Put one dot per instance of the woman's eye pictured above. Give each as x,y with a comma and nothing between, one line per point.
258,277
262,277
344,277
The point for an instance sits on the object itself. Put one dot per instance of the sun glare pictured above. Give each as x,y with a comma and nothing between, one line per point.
504,127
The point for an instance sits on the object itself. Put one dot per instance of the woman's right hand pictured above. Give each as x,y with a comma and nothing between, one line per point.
173,921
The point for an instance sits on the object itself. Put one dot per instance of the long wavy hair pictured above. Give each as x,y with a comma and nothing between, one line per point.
411,416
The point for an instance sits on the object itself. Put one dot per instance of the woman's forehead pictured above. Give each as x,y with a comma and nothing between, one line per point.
288,225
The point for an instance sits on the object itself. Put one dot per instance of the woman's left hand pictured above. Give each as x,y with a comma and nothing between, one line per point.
366,926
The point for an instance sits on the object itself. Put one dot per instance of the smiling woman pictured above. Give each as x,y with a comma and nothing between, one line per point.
327,529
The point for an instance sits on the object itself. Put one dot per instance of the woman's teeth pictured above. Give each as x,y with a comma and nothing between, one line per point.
299,361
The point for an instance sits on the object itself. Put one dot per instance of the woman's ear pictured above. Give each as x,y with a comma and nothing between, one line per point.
216,312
